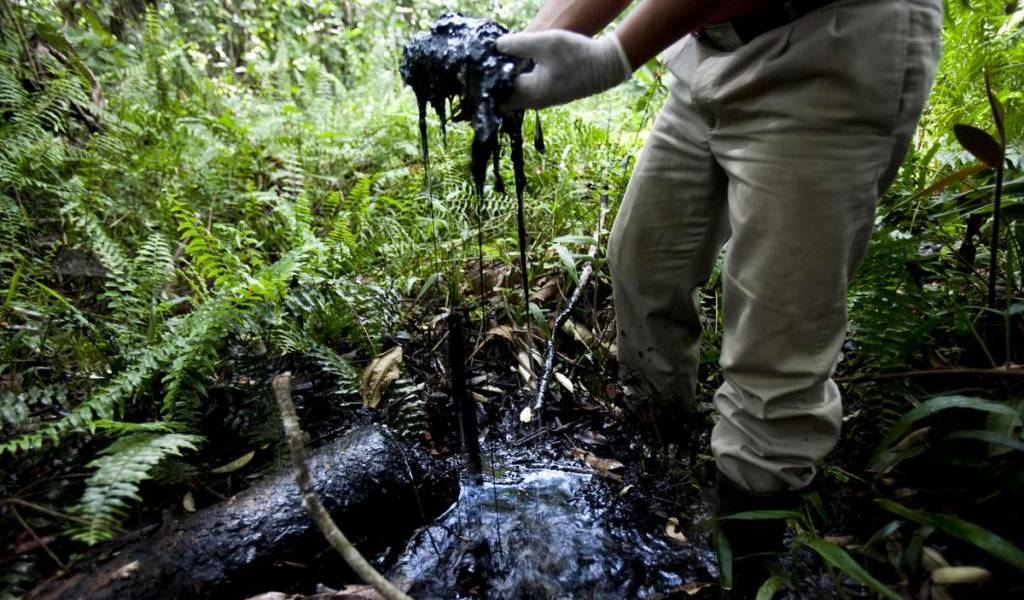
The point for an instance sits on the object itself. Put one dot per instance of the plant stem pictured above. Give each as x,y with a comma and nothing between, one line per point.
993,269
1006,371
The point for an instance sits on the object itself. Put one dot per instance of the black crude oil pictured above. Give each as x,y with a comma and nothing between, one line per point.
457,64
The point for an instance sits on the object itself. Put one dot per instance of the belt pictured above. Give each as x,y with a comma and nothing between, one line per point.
730,35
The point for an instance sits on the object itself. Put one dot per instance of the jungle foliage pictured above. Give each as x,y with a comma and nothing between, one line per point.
193,194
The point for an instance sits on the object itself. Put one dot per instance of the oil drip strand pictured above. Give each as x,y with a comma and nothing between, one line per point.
457,61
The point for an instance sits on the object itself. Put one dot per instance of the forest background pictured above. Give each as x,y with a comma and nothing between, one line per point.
195,194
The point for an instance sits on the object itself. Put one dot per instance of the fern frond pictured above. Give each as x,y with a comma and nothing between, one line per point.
120,468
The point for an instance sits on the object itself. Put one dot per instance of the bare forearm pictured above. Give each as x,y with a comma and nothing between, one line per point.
582,16
656,24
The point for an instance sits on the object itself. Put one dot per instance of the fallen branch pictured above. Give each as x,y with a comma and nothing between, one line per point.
366,478
588,268
997,372
337,539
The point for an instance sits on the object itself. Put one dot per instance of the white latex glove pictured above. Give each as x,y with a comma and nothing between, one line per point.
568,66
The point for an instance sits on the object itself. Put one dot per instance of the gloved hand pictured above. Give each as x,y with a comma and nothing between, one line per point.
568,66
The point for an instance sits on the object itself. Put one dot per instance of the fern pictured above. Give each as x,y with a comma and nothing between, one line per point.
13,224
120,468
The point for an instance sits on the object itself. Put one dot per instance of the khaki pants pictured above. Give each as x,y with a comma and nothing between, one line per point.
782,147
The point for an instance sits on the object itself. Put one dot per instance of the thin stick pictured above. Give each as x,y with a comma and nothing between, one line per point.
38,540
997,372
588,268
337,539
47,511
993,251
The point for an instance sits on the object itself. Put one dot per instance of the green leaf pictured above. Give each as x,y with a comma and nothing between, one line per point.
568,261
758,515
982,538
724,559
883,456
771,586
979,143
991,437
575,239
120,468
840,559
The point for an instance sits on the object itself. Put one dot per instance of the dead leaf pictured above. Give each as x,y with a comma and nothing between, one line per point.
937,360
931,559
693,588
913,438
547,291
236,464
958,575
526,372
188,502
625,490
503,331
127,570
566,383
354,592
596,462
673,533
379,374
580,333
592,438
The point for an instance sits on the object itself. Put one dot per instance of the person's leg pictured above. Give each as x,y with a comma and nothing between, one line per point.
810,124
663,245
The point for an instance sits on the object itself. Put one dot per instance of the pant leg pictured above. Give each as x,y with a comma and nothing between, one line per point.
663,245
810,123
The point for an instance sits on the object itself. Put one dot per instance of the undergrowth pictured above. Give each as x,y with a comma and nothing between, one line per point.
191,199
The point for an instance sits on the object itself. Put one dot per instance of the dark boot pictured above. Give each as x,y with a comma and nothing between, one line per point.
663,422
753,544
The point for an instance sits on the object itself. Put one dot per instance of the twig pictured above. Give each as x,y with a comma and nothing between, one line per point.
997,372
46,511
316,510
38,540
588,268
29,56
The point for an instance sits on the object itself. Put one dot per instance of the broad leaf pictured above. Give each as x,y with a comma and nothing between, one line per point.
979,143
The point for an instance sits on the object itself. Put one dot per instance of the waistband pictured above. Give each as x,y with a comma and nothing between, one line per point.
734,33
